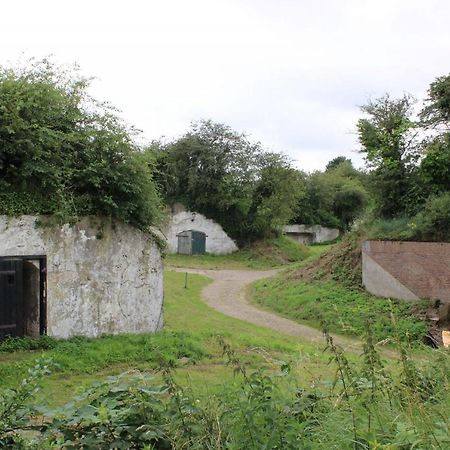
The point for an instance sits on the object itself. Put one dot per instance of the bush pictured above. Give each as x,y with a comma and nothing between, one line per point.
400,228
433,222
64,153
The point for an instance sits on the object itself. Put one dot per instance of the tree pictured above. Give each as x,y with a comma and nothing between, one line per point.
338,161
64,153
333,198
218,172
437,105
275,196
388,141
435,164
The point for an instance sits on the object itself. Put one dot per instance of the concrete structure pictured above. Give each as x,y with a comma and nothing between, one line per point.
310,234
102,276
217,241
407,270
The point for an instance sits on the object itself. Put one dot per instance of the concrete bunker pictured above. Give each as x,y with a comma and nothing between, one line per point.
301,237
98,276
310,234
182,221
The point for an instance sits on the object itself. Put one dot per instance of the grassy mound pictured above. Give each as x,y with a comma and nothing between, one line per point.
342,263
329,288
265,254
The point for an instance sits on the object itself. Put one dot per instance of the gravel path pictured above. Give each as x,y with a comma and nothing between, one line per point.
227,294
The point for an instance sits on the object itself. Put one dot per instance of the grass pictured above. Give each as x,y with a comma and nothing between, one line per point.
288,396
188,341
261,255
345,310
78,356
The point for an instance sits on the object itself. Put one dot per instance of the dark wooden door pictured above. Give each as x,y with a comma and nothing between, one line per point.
198,242
11,297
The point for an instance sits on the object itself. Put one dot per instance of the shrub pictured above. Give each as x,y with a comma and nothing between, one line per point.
64,153
433,222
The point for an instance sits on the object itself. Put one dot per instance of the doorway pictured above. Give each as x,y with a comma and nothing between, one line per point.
23,296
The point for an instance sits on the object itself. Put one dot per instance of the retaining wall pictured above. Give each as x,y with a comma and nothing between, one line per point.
407,270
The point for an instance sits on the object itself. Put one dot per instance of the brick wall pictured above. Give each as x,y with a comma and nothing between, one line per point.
421,267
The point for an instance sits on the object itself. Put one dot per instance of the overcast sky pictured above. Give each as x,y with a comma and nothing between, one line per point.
290,73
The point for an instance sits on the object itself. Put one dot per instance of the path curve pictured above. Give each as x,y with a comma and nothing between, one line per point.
227,294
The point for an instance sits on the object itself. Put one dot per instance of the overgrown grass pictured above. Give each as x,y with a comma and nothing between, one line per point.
81,355
186,311
188,341
345,310
278,392
365,406
261,255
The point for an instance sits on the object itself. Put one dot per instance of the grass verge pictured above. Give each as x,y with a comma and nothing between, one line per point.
345,310
260,255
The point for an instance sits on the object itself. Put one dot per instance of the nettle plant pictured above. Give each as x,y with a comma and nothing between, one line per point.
368,405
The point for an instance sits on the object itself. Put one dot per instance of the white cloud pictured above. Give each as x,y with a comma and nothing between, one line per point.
289,72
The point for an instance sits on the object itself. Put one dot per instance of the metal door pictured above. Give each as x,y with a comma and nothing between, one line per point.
184,243
198,242
11,297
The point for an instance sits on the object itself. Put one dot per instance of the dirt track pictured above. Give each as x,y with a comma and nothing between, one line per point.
227,294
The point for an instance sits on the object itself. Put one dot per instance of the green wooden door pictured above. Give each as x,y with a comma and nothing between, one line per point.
198,242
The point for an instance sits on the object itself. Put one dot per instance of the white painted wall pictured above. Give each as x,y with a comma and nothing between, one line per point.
319,233
217,241
103,277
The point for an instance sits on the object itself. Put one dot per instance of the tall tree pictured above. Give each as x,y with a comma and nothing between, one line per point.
387,137
435,117
436,111
218,172
333,198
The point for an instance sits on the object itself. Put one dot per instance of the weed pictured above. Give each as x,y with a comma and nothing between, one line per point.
366,406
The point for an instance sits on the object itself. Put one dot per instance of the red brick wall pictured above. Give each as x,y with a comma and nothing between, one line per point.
423,267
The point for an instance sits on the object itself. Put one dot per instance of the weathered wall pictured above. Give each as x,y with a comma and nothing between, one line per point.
407,270
217,241
103,280
310,234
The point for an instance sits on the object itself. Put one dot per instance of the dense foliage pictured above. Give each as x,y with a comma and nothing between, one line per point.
64,153
220,173
410,163
334,198
367,406
252,193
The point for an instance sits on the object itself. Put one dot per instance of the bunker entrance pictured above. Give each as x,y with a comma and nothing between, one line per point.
191,242
23,294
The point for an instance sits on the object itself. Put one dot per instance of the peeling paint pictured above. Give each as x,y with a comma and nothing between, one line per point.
95,286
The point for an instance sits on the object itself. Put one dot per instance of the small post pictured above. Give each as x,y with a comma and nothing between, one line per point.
185,280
